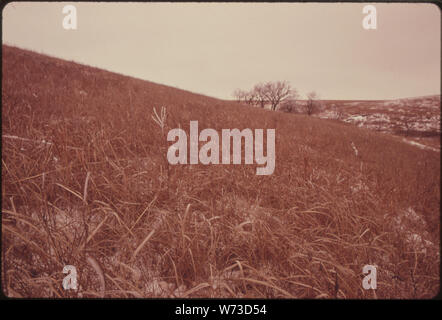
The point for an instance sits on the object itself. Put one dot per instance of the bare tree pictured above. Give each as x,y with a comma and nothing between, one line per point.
290,103
312,103
273,93
276,92
259,92
249,97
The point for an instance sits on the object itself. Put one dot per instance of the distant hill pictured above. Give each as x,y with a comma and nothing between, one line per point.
416,119
85,178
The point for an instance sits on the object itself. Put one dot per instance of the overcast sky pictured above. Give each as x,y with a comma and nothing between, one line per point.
213,48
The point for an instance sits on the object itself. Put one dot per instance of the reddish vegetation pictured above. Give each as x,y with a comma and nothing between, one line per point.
201,231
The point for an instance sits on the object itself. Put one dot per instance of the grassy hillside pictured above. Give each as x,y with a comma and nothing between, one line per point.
85,182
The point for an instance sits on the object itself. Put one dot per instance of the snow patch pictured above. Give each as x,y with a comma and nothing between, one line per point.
419,145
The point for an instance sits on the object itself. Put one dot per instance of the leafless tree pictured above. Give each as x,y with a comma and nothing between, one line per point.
250,97
247,97
259,92
290,103
312,103
273,93
276,92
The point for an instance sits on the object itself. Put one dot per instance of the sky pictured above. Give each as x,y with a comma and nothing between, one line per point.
215,48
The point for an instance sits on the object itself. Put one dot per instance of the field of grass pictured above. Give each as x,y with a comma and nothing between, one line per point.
85,182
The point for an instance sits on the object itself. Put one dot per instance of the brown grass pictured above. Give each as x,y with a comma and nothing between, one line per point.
102,189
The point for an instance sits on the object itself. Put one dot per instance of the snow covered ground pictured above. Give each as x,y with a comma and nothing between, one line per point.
420,145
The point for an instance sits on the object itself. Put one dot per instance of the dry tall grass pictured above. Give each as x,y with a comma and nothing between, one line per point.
101,190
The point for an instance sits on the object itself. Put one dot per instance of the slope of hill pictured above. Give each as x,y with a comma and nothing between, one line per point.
85,182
